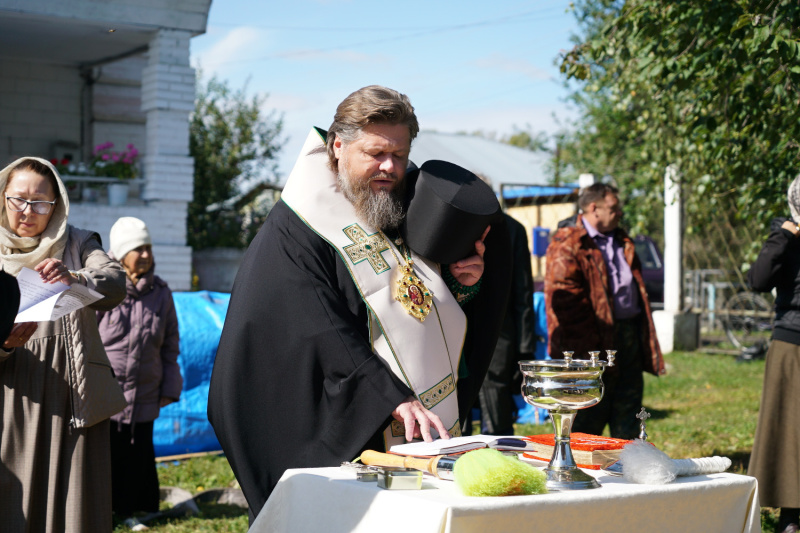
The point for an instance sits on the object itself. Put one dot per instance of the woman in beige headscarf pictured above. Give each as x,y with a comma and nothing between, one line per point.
58,390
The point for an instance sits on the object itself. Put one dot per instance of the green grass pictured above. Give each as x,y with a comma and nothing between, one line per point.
213,518
196,475
705,405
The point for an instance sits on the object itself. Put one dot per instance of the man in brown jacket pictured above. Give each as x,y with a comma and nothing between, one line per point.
596,300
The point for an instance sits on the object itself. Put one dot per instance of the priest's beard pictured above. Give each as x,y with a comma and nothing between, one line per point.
383,209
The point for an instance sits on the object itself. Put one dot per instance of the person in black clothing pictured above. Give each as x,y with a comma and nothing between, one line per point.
775,460
9,294
516,343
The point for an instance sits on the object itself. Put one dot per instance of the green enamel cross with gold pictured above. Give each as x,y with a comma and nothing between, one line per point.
366,247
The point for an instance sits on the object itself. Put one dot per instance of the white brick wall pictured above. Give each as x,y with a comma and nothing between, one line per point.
171,130
167,224
168,86
39,105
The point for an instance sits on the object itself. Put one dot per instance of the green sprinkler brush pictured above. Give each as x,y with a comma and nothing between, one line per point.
488,472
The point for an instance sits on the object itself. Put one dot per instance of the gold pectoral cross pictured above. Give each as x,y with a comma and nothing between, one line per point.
366,248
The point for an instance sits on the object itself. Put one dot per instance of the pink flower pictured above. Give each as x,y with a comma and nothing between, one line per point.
105,157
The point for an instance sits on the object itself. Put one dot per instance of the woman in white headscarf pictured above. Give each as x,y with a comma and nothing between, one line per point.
775,460
58,390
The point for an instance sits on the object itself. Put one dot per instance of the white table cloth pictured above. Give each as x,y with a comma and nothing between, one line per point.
330,500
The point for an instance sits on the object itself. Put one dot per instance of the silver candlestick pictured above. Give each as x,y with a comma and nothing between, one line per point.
563,387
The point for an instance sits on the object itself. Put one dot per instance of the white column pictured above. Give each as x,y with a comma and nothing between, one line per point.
673,245
168,91
675,330
585,180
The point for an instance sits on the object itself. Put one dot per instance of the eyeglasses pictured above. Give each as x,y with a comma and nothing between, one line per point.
40,207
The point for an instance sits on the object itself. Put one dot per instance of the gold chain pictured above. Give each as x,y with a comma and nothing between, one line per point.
407,261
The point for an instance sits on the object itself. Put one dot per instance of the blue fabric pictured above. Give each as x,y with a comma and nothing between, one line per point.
528,414
183,427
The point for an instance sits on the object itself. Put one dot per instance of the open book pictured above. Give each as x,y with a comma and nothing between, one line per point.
460,444
41,302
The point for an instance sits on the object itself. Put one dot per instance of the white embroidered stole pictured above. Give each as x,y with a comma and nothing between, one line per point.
425,355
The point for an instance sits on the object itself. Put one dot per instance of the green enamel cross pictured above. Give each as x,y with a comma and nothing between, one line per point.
366,247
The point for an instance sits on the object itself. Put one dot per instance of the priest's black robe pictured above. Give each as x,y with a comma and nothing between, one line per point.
295,383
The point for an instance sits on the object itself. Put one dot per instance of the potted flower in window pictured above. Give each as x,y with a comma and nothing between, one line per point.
112,164
65,167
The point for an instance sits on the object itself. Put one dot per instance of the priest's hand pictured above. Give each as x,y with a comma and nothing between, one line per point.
468,271
418,420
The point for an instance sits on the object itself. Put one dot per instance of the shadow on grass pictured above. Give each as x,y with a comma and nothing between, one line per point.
740,460
208,511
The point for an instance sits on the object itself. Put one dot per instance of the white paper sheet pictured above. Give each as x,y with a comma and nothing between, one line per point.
40,301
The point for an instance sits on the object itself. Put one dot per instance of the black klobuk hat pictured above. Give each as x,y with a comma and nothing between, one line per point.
449,207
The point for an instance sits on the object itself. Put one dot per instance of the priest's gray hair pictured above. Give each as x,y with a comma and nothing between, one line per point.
373,104
794,199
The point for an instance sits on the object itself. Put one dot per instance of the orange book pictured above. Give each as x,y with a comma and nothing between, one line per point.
589,451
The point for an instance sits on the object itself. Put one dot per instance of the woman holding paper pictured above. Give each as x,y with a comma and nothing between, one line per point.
58,390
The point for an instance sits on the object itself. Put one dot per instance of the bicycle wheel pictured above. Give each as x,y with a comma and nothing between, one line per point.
748,319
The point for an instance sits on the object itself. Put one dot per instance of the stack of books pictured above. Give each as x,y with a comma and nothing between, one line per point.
589,451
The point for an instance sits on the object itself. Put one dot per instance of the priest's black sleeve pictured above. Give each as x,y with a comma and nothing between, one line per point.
295,383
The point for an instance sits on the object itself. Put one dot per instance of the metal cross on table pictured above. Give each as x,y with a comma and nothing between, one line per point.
366,247
642,416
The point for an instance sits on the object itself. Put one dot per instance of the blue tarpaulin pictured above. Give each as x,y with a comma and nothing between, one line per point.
183,426
527,413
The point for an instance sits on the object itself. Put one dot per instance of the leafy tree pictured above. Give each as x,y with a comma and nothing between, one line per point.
235,146
709,86
528,139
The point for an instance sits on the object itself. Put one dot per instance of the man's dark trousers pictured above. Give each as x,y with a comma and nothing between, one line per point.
624,387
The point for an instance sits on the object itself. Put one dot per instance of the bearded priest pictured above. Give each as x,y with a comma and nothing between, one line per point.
367,308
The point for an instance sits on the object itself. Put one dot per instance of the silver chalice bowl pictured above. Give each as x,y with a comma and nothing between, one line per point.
563,387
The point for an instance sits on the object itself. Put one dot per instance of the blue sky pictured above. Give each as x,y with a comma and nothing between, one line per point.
466,65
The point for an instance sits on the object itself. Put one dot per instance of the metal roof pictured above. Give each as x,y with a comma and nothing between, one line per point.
499,162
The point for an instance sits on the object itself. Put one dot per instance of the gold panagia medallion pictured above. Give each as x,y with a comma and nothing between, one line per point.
413,294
